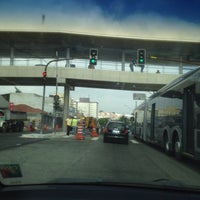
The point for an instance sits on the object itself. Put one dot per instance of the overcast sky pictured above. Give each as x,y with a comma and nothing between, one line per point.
161,19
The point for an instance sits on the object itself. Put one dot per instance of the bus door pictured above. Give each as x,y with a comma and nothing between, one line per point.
188,119
153,107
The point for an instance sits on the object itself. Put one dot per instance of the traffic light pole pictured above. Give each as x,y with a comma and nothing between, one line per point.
44,88
42,114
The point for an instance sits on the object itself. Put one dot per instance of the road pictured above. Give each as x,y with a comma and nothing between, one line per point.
65,159
11,140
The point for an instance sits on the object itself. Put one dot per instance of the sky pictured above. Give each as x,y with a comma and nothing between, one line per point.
160,19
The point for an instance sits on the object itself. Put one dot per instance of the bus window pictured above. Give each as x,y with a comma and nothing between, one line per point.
198,121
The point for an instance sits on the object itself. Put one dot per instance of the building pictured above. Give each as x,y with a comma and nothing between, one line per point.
31,104
33,100
86,107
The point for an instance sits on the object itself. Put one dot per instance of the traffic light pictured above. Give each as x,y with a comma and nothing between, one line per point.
141,56
44,74
11,106
56,102
93,56
56,105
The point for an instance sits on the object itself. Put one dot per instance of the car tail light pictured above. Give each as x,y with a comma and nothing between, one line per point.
106,130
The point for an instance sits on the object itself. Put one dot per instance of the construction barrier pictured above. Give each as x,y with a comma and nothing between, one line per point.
79,135
94,132
56,127
30,128
44,127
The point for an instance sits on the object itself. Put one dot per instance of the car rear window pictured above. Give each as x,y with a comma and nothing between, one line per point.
113,125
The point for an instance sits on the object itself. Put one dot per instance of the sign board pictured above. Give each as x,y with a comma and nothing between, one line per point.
139,96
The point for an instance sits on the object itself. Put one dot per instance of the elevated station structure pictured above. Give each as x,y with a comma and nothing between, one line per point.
69,46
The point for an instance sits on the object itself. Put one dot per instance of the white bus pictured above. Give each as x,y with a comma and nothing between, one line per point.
171,117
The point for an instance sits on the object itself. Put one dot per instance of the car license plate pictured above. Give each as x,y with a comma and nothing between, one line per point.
116,131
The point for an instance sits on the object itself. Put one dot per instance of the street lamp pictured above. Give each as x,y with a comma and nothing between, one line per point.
44,88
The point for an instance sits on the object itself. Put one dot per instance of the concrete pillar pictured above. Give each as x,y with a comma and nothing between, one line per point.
12,56
123,61
68,57
181,66
66,105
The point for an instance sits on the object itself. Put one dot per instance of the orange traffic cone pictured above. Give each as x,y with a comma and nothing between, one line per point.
57,127
44,127
28,128
79,135
94,132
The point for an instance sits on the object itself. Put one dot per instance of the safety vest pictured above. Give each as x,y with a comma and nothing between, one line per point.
68,122
74,122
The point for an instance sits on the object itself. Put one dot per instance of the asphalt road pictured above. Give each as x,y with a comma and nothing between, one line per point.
11,140
65,159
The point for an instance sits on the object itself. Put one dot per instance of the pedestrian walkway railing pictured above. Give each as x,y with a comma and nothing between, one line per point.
101,65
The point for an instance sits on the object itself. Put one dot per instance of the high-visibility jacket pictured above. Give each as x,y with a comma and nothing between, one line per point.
69,122
74,122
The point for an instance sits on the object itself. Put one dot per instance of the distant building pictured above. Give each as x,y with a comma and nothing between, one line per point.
110,115
33,114
87,108
33,100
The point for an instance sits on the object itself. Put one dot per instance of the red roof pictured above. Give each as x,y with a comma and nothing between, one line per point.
26,108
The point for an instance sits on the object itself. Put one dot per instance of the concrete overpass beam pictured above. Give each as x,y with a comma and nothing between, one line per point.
181,66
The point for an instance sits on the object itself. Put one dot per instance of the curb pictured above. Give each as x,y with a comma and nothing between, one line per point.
45,135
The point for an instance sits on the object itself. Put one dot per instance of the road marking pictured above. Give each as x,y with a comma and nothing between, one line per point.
95,138
134,142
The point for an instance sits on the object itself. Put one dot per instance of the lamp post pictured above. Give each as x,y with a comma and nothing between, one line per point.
44,88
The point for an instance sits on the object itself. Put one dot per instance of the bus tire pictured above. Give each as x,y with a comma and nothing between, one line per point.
166,145
177,148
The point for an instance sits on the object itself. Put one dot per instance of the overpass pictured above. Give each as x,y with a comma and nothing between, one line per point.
78,77
42,45
48,45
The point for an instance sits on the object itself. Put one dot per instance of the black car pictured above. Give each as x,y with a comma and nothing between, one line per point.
116,131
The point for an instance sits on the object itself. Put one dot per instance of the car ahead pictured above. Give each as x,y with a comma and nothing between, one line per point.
116,131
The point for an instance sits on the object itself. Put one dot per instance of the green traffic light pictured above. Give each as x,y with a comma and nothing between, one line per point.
92,61
141,60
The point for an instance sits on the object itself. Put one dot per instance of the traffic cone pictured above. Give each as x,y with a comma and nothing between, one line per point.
94,132
79,135
44,127
28,128
57,127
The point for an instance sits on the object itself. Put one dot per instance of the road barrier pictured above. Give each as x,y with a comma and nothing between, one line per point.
79,135
57,127
94,132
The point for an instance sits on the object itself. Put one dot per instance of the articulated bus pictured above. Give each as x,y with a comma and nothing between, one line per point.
170,118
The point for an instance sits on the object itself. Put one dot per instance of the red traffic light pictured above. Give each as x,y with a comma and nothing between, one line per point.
11,106
44,74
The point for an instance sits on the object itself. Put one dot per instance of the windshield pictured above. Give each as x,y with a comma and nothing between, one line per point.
70,67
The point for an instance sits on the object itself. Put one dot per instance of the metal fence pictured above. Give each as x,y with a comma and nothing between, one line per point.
101,65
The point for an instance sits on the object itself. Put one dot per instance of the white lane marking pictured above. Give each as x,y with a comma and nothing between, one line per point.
95,138
134,142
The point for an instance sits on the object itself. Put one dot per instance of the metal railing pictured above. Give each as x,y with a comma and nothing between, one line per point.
101,65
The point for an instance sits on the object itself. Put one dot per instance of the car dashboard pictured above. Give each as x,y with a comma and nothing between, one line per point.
86,191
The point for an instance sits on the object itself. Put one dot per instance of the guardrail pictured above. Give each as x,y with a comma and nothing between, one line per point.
81,63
